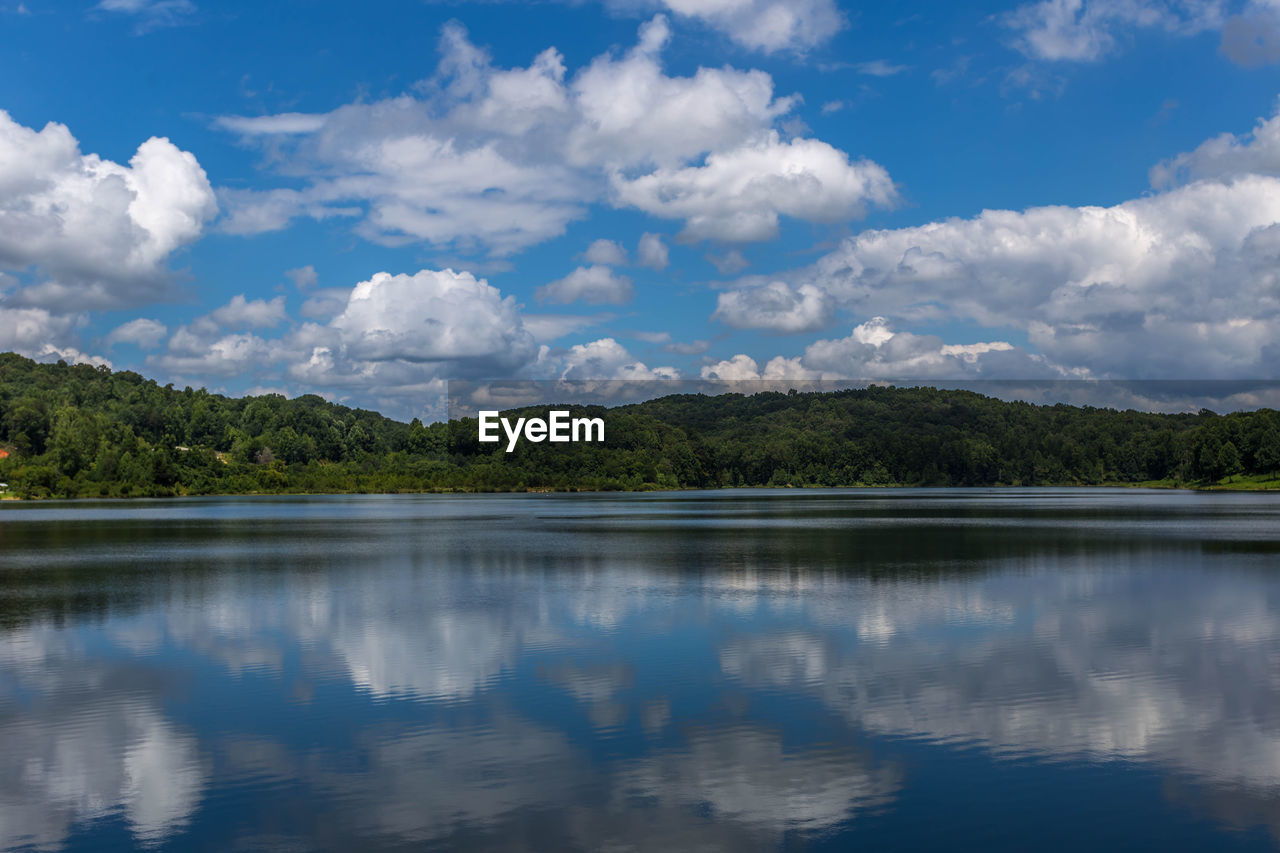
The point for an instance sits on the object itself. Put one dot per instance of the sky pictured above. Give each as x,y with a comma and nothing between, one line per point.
365,201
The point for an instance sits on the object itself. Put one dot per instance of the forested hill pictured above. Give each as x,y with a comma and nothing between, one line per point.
68,431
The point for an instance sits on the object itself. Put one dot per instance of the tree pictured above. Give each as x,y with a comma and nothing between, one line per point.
1229,460
1268,454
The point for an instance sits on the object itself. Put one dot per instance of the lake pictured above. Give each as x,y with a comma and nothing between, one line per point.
1004,669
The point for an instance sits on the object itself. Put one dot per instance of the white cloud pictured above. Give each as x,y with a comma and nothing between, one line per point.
142,332
44,336
776,306
729,262
595,285
398,338
1226,156
393,339
687,347
97,233
191,353
28,330
633,114
874,350
551,327
766,25
1087,30
271,125
470,164
652,252
303,277
740,367
880,68
326,303
392,342
152,14
242,313
652,337
494,159
606,252
738,195
608,359
1178,284
260,211
433,316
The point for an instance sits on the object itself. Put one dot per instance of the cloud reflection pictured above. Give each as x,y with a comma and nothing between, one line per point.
582,683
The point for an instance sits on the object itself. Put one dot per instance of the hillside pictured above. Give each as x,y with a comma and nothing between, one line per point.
81,431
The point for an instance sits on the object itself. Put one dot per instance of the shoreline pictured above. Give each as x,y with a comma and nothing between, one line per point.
1272,486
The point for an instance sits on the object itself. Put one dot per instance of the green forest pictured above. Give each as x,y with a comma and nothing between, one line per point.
84,431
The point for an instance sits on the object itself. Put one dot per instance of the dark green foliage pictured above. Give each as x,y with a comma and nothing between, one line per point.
84,431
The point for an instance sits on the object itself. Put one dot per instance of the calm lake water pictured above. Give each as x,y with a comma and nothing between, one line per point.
887,670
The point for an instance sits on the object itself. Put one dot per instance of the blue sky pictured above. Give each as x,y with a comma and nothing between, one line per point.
211,194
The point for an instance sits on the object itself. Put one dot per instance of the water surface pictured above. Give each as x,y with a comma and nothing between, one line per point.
755,670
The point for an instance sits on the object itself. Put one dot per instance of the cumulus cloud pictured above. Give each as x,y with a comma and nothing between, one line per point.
768,26
392,343
740,367
433,316
606,252
218,344
631,113
738,195
97,234
596,285
30,330
608,359
776,306
487,158
551,327
326,303
652,252
466,165
142,332
1087,30
874,350
194,352
242,313
44,336
303,277
1178,284
728,262
391,340
1226,156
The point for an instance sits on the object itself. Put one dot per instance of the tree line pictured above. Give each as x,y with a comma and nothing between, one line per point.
85,431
